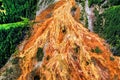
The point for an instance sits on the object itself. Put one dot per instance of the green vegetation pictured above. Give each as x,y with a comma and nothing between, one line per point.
46,3
112,58
78,1
83,16
76,49
1,8
114,2
16,9
12,73
40,54
9,70
23,23
73,9
99,2
96,50
15,60
10,36
13,27
91,2
107,26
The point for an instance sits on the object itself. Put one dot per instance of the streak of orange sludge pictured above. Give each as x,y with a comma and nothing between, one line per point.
65,63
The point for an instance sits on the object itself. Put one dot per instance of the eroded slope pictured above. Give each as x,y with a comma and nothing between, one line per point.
71,52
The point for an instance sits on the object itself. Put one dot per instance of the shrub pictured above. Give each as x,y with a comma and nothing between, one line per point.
112,58
40,54
96,50
76,49
12,73
73,9
78,1
9,70
1,6
114,2
15,60
90,2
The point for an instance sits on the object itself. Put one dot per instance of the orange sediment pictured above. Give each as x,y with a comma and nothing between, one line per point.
67,47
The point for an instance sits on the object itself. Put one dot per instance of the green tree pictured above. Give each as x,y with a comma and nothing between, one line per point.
16,9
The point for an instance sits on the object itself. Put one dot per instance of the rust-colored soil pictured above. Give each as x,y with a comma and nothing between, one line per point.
67,47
